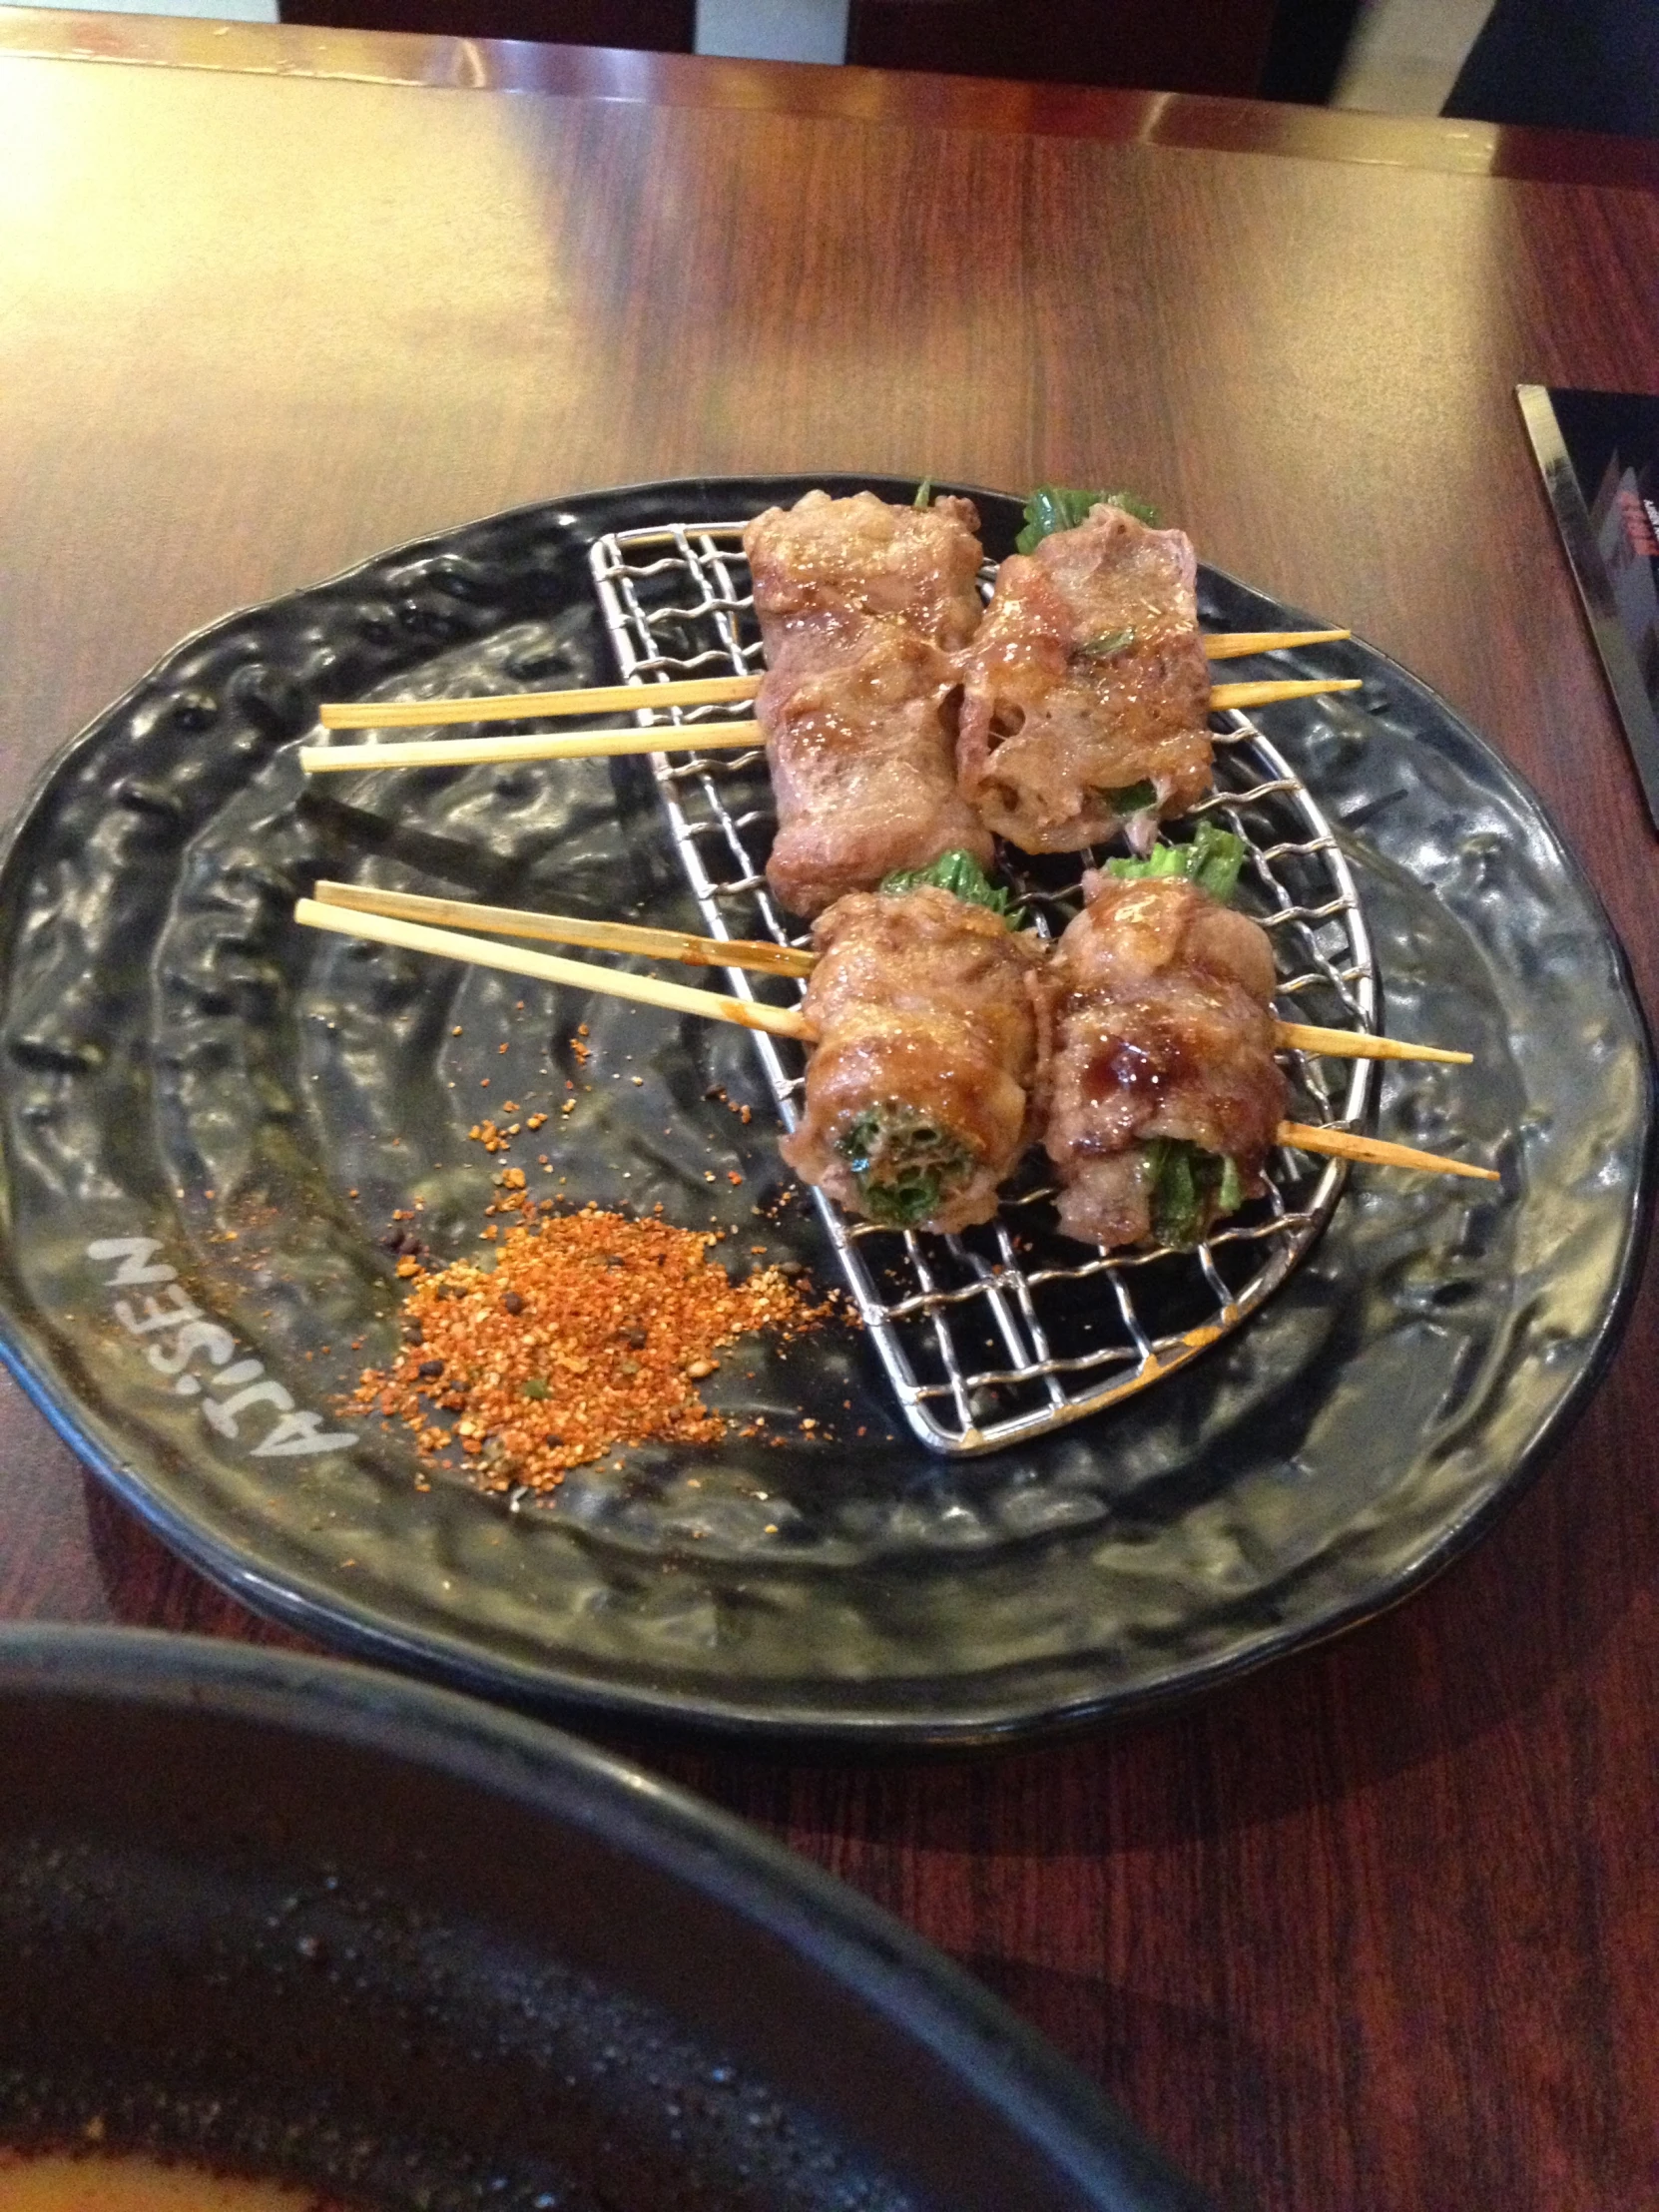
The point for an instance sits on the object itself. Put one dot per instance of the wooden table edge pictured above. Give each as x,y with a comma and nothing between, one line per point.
1196,121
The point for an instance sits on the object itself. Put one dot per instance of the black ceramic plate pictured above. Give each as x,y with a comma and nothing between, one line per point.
307,1920
209,1117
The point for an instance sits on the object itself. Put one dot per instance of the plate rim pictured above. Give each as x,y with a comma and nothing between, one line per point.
304,1602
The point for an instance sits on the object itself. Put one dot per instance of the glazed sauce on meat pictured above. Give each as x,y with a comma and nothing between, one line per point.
1146,1064
99,2181
1121,1067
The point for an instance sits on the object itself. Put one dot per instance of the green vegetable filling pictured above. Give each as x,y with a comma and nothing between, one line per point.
925,493
1053,508
1212,860
905,1164
1107,646
1190,1190
1134,799
959,873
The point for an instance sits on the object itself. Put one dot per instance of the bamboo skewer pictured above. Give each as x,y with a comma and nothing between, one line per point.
510,707
546,968
778,1021
773,959
1236,645
606,699
1344,1144
1269,693
594,744
1358,1044
690,690
603,936
585,744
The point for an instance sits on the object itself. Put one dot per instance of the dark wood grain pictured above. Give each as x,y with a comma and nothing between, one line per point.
867,96
1376,1928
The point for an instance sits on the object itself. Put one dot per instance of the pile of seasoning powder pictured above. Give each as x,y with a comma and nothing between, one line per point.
591,1330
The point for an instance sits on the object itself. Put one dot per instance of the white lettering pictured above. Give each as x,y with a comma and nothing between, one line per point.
297,1434
196,1336
232,1379
243,1382
223,1414
158,1316
134,1253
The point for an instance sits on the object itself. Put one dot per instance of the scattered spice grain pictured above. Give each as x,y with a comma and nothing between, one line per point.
602,1322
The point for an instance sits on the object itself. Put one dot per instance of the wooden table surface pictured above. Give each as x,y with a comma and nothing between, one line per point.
1379,1926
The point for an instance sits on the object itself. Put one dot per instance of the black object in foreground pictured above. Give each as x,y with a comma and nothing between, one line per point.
1600,453
302,1920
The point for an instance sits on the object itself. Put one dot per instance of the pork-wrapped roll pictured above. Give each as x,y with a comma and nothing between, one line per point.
862,607
919,1090
1086,688
862,772
1164,1095
825,569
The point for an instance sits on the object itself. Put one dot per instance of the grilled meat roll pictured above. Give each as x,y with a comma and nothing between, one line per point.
825,569
1163,1095
862,772
862,607
1086,689
918,1089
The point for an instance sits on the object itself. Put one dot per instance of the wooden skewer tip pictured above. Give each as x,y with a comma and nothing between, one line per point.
1361,1044
1347,1144
1269,693
1236,645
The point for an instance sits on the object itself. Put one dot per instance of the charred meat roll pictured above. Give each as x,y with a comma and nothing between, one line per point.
919,1090
1164,1096
863,609
1086,689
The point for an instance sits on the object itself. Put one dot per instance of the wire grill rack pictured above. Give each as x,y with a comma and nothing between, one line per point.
1010,1330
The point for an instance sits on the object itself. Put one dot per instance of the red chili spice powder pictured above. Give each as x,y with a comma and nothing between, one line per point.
590,1331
